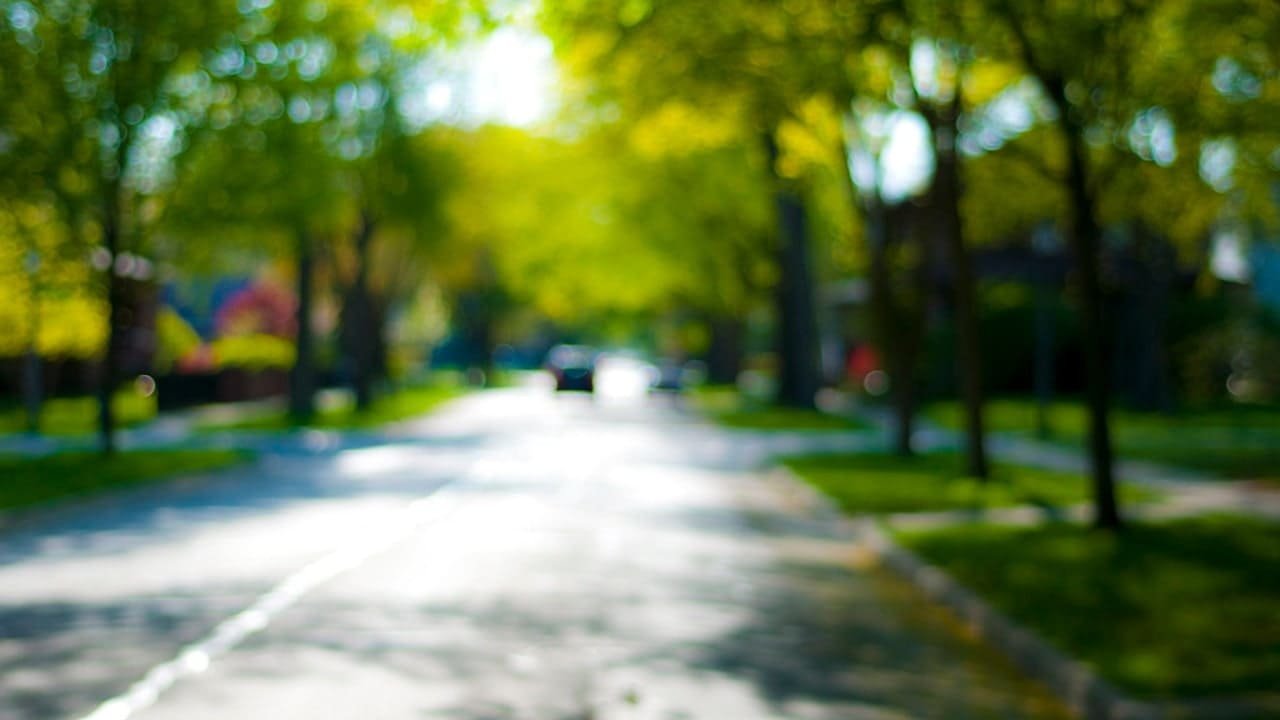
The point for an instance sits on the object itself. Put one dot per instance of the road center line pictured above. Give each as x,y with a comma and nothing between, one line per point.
196,657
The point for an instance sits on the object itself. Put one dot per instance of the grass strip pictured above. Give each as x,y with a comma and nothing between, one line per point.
79,415
26,481
729,408
400,405
1235,443
1180,609
884,483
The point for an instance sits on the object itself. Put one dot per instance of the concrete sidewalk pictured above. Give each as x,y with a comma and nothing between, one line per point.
174,428
183,429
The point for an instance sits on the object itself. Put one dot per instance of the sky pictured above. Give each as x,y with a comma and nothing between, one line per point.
509,78
512,78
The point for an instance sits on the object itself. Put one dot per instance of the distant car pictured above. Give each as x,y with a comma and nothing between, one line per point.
668,377
573,367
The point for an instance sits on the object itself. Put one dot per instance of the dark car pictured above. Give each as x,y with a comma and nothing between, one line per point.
668,377
573,367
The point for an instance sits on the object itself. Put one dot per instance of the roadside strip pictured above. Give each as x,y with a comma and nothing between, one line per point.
1083,691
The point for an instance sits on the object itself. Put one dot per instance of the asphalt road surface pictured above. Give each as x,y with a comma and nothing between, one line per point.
518,555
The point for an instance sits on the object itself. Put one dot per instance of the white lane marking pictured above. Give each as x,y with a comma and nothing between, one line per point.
197,657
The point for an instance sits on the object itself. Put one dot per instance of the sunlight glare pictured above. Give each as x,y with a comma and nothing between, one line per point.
511,78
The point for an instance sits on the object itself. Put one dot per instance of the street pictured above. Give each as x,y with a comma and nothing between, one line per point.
517,555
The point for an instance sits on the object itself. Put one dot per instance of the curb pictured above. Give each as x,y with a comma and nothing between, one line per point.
1085,694
1083,691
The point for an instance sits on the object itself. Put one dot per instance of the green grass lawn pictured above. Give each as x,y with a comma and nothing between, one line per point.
400,405
1179,609
79,415
729,408
884,483
1241,443
32,480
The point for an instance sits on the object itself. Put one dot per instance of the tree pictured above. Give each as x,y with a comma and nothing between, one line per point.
261,185
941,101
752,61
42,144
683,187
1083,56
104,66
395,178
871,94
400,191
313,151
257,169
550,222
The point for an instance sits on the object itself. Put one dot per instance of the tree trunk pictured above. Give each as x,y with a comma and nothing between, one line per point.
482,336
899,337
947,193
1084,240
32,389
32,377
378,342
302,375
1146,319
724,356
1085,232
904,403
360,331
1045,320
111,357
798,375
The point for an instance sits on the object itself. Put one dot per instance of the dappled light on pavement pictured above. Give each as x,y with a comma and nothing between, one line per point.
578,560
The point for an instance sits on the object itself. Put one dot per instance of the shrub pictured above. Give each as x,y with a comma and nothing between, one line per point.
175,339
260,308
253,352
